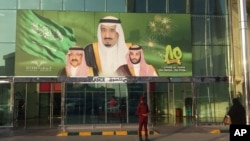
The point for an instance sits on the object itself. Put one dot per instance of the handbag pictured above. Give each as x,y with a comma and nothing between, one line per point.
227,120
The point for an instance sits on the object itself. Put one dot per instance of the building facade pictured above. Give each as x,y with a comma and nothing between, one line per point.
202,98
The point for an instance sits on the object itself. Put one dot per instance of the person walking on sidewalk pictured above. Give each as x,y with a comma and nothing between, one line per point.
237,113
142,112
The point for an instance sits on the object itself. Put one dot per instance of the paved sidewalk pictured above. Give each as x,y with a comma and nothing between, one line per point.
163,129
167,133
156,130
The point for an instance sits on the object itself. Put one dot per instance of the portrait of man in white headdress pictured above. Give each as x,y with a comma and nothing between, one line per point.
75,63
136,64
108,54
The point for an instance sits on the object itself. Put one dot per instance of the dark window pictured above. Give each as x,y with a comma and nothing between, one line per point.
177,6
157,6
210,7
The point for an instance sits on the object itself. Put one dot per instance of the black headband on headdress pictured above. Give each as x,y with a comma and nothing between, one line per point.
74,48
110,21
135,48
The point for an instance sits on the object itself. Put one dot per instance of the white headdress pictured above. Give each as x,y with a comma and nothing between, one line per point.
113,57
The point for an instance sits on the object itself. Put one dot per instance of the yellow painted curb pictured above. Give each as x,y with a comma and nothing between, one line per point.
215,131
108,133
62,134
143,132
121,133
155,133
84,133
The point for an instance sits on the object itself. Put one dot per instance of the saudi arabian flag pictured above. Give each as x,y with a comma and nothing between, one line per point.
40,40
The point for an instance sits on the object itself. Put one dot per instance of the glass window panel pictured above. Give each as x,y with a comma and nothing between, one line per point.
7,59
213,7
217,7
212,102
140,6
51,4
157,7
95,5
220,60
73,5
200,61
210,60
198,6
75,98
28,4
210,30
8,4
7,25
219,30
131,5
90,103
116,6
177,6
5,105
198,30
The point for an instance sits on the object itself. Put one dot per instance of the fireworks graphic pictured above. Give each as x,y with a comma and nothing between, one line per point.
155,39
150,41
160,26
158,30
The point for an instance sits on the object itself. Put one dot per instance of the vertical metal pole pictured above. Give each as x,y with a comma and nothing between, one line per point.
148,101
25,105
195,109
11,104
63,112
126,6
207,36
171,102
51,105
173,94
106,103
167,6
244,44
230,54
85,105
106,6
127,95
187,6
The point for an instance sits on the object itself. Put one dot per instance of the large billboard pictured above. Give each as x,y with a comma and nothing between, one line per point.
49,43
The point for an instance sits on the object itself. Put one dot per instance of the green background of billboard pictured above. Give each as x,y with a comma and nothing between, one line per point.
84,25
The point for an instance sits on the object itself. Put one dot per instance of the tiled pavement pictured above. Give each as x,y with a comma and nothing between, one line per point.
162,129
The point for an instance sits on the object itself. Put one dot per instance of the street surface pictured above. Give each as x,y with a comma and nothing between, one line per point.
166,133
161,137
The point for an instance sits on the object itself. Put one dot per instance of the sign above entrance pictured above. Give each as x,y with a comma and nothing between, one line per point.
89,44
122,79
93,79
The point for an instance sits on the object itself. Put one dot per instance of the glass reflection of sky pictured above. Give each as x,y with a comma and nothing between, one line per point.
5,49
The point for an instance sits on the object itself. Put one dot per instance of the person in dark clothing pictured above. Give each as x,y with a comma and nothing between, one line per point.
237,113
142,112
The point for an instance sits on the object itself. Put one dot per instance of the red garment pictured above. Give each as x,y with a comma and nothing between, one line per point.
143,119
112,102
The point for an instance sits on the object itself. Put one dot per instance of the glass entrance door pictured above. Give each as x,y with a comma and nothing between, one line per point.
94,103
102,103
35,106
172,103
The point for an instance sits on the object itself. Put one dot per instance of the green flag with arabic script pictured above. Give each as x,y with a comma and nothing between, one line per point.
42,37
